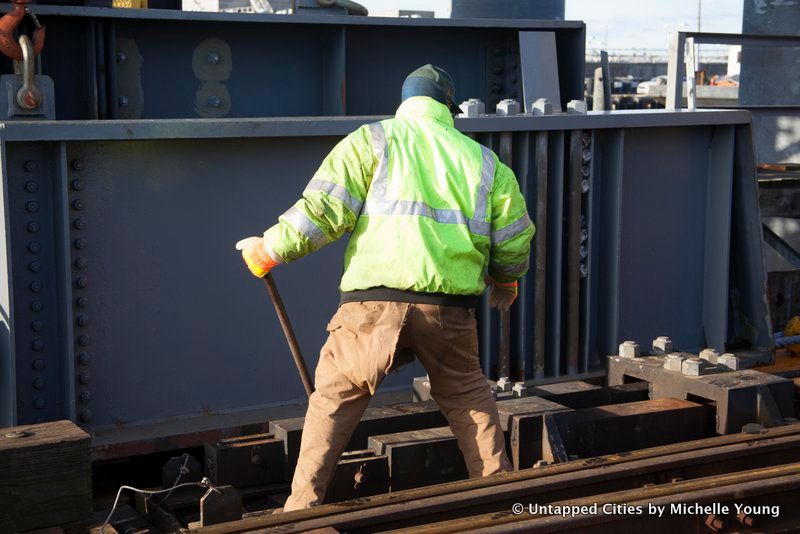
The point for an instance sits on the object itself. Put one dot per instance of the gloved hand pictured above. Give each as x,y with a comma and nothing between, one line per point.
255,256
501,295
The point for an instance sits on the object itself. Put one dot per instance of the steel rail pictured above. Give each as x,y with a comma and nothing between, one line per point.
447,493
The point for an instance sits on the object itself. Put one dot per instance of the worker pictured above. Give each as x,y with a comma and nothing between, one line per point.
434,217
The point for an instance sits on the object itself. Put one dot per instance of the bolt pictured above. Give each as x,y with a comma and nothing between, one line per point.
472,108
84,396
36,305
35,266
82,302
584,186
82,320
662,345
214,101
77,204
586,139
37,364
584,270
30,165
77,165
746,520
31,187
77,184
80,243
585,171
729,362
752,428
583,252
32,206
39,403
34,247
693,366
81,282
86,416
35,286
576,107
37,345
586,155
673,362
37,325
508,106
542,106
584,235
81,262
710,355
38,383
583,221
83,358
519,390
84,378
213,58
79,223
629,349
121,57
503,384
33,227
83,340
122,101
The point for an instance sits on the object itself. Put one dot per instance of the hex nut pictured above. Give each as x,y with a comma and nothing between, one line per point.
472,108
673,362
503,384
542,106
693,366
519,390
508,106
576,107
709,355
730,362
662,345
629,349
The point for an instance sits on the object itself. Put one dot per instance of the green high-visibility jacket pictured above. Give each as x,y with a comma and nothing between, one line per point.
429,209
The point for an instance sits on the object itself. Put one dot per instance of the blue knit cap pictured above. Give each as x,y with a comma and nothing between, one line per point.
433,82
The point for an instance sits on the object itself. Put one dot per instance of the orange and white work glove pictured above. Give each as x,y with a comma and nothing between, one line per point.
255,256
501,295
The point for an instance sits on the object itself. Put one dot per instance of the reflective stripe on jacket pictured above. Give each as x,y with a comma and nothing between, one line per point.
429,209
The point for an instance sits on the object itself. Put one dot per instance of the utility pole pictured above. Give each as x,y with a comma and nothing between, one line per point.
699,14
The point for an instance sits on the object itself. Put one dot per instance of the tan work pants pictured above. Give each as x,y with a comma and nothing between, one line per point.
368,339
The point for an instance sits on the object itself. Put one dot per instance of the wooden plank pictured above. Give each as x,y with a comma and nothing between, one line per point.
45,476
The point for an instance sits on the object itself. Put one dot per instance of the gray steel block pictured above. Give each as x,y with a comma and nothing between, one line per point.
693,366
710,355
662,345
674,362
472,108
629,349
508,106
542,106
576,107
730,362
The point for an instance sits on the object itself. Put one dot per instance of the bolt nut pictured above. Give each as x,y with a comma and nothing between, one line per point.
84,396
586,171
30,165
38,364
542,106
31,187
85,416
36,305
83,340
519,390
77,184
693,366
82,320
84,358
77,204
39,403
33,227
35,266
79,223
82,302
80,243
37,345
730,362
586,155
507,107
576,107
77,165
503,384
35,286
472,108
38,383
32,206
81,262
84,378
629,349
709,355
584,270
37,325
34,247
673,362
662,345
81,282
122,101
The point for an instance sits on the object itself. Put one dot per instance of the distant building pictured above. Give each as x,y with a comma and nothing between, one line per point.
403,13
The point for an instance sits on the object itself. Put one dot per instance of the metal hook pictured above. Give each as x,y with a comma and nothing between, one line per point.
28,96
9,22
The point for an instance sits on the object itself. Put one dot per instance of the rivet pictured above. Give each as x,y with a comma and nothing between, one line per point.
83,340
123,101
36,305
81,262
81,302
33,227
37,344
80,243
77,184
38,383
39,403
84,358
86,416
77,165
79,223
37,364
30,165
37,325
81,282
121,57
34,247
35,286
586,155
31,187
84,378
85,396
32,206
214,101
77,204
83,320
35,266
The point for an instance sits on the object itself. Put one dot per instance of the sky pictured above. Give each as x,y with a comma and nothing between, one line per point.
620,24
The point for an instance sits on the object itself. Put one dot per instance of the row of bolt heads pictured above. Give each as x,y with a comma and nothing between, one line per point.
682,362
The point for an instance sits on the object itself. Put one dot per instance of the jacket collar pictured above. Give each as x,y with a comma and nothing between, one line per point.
425,107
